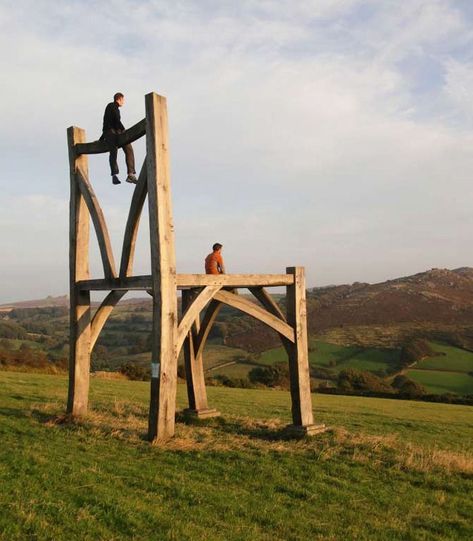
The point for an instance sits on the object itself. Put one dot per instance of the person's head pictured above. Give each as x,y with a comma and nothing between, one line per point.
119,99
217,247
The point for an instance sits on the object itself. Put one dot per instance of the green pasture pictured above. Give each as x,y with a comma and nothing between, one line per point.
373,360
453,359
386,469
439,382
236,370
340,357
215,355
320,354
325,354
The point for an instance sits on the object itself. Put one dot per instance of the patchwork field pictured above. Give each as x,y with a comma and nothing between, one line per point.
441,381
386,469
340,357
451,359
449,372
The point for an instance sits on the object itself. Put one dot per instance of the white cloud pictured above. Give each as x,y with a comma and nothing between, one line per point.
458,89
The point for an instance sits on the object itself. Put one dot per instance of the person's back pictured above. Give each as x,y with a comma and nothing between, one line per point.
214,261
112,118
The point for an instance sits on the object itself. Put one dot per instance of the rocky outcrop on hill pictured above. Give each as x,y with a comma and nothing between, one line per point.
437,296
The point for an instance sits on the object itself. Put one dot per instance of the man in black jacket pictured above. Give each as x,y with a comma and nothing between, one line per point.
112,127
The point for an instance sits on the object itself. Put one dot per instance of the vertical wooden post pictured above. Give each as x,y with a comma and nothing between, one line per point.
302,416
163,270
195,379
79,342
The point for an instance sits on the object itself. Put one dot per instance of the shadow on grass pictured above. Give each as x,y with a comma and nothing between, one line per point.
99,424
41,416
250,428
93,424
15,412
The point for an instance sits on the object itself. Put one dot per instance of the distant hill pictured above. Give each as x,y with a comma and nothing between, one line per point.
62,300
435,296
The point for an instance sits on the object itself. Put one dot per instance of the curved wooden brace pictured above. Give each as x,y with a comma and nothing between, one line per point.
102,314
257,312
133,222
207,322
192,312
268,302
100,225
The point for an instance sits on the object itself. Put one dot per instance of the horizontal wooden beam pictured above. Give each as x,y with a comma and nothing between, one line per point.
129,283
99,147
233,280
185,281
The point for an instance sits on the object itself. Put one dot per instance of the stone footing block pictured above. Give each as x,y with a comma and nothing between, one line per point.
202,414
303,431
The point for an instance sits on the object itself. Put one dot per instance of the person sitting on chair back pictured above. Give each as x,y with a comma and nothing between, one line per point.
112,127
214,261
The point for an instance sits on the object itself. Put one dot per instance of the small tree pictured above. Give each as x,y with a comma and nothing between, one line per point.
271,376
411,389
359,380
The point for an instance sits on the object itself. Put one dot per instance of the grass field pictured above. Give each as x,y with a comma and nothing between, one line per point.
447,373
373,360
339,357
386,470
320,354
453,359
237,370
440,382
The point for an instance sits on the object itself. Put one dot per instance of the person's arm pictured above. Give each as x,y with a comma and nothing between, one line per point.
221,266
117,123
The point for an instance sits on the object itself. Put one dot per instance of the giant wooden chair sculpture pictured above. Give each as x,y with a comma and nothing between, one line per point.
200,292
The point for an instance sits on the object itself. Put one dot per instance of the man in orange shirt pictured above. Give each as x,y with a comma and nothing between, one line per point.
214,261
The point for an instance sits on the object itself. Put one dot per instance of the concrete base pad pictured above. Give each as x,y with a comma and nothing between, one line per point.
302,431
202,414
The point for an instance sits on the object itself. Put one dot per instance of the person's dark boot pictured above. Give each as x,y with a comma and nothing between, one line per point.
115,179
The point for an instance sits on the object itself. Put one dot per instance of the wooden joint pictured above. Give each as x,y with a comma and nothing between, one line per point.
253,310
192,312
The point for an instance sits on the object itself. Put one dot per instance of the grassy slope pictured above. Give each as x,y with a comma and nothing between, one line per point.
238,370
442,381
388,470
453,359
339,357
448,373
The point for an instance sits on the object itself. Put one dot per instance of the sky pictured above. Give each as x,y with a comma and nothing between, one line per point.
333,134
